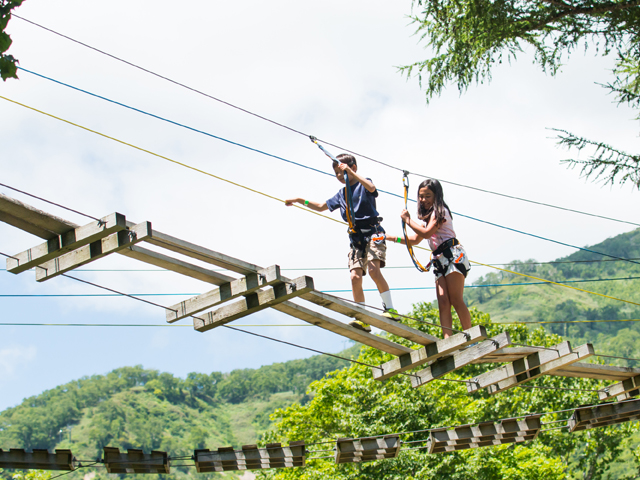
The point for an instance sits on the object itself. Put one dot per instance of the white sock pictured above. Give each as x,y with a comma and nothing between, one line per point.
387,303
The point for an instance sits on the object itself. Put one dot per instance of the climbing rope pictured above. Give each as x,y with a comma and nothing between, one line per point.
416,262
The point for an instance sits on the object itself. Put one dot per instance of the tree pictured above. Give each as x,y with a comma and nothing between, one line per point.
349,403
8,67
467,37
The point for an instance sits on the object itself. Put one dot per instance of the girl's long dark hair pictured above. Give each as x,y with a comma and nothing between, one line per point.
438,203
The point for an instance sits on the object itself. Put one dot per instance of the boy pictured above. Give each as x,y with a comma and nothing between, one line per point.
368,248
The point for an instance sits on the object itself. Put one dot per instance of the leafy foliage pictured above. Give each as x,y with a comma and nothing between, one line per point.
8,63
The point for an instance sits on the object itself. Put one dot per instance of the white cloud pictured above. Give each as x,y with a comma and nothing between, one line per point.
15,358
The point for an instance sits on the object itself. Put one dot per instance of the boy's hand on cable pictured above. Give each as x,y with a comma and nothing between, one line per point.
290,202
345,168
404,215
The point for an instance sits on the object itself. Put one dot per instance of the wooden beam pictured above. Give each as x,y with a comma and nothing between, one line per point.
252,303
227,291
519,368
71,240
429,353
626,386
597,372
93,251
445,365
356,450
203,254
250,457
38,459
135,461
177,266
359,313
506,355
32,220
336,326
594,416
580,353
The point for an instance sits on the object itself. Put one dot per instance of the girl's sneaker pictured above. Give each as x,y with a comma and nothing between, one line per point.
360,326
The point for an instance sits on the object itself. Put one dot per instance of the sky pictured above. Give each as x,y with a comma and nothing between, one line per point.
329,70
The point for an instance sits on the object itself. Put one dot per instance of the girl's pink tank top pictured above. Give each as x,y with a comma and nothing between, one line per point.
444,233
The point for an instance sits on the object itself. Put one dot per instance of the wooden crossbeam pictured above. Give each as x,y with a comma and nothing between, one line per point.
459,359
594,416
336,326
626,386
519,368
505,355
579,353
32,220
250,457
227,291
349,450
71,240
429,353
252,303
175,265
359,313
135,461
98,249
597,372
38,459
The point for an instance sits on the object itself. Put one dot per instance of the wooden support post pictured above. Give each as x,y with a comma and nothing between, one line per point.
227,291
626,386
177,266
580,353
349,450
359,313
519,368
38,459
59,245
448,364
89,253
594,416
274,455
429,353
135,461
252,303
336,326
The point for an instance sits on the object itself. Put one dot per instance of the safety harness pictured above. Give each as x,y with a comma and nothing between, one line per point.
359,234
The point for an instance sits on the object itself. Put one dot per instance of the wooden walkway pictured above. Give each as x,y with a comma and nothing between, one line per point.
245,288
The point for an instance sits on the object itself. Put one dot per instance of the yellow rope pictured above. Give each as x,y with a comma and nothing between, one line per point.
569,321
297,206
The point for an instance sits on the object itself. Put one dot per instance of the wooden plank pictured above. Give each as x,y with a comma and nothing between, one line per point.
519,367
626,386
356,450
336,326
597,372
135,461
274,455
71,240
580,353
93,251
429,353
594,416
448,364
252,303
203,254
32,220
506,355
177,266
359,313
38,459
227,291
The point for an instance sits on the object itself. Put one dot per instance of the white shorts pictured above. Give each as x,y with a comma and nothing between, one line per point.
460,259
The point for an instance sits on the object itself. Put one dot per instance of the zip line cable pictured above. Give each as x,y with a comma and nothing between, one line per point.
298,206
307,135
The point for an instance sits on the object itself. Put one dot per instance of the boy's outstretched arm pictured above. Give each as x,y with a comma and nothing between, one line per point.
414,239
317,206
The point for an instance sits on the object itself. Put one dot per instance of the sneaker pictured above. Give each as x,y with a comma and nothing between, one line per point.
391,313
360,326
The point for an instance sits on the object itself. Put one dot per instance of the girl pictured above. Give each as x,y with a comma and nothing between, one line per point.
449,258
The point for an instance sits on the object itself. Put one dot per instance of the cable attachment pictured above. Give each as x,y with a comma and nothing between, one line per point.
466,335
313,139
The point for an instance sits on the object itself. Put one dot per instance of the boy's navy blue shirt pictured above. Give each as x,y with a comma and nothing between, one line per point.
364,204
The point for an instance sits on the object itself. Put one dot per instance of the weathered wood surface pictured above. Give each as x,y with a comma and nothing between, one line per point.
350,450
98,249
32,220
178,266
459,359
359,313
579,353
71,240
227,291
506,355
429,353
595,416
336,326
252,303
135,461
519,368
597,372
250,457
626,386
38,459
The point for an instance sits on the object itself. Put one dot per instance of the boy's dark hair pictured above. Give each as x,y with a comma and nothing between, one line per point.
439,204
346,158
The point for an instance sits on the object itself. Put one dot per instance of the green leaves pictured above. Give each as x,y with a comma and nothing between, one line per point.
8,64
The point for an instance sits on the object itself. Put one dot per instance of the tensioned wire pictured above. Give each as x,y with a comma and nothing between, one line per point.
297,206
306,135
314,169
